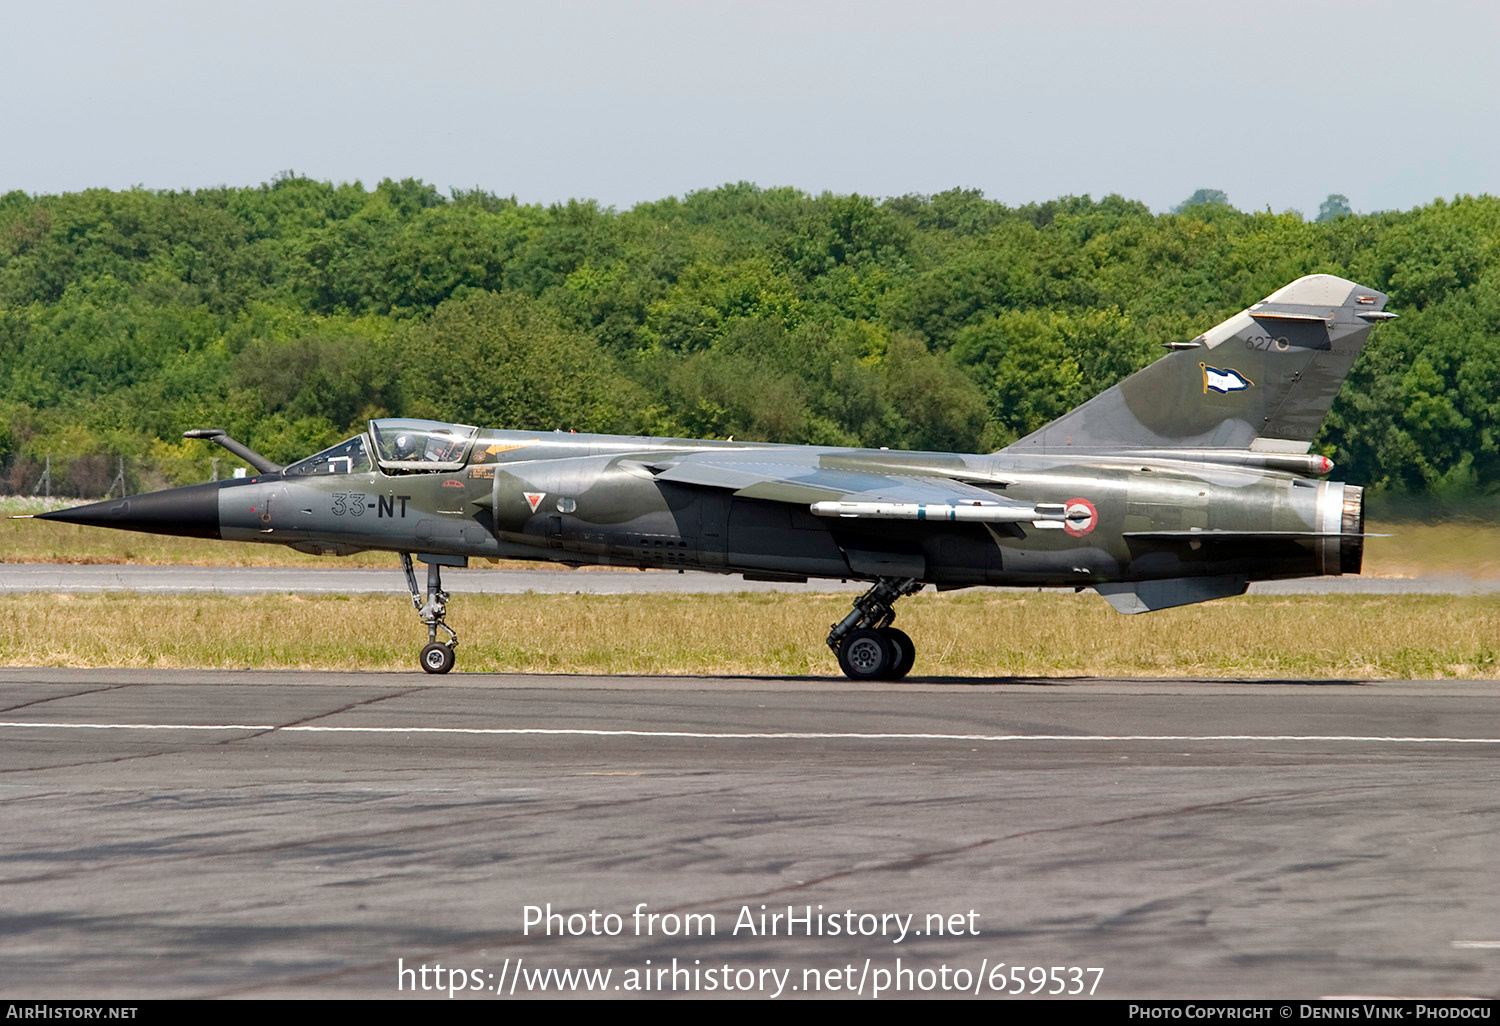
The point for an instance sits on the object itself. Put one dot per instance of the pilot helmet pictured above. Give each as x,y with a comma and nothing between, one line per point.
404,446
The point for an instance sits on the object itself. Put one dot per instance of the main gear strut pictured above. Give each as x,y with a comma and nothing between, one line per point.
437,657
868,647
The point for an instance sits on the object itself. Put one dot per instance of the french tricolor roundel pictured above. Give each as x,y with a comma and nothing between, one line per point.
1082,516
534,499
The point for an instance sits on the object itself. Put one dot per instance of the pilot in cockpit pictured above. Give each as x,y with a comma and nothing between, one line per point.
404,447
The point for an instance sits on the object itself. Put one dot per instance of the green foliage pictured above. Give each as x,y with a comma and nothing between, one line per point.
707,299
493,359
1202,197
333,372
937,405
290,312
1334,207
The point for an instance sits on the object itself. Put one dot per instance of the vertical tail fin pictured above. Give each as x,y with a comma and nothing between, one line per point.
1263,380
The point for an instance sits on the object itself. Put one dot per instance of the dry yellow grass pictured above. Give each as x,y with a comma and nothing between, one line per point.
1467,547
980,634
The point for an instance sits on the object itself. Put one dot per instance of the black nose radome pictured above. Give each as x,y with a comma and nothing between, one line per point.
192,511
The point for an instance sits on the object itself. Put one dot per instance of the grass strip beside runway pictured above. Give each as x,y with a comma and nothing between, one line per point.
976,633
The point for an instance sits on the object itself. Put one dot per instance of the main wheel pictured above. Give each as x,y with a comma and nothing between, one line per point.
866,655
906,652
437,658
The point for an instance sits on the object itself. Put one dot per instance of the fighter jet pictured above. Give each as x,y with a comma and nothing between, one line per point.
1180,484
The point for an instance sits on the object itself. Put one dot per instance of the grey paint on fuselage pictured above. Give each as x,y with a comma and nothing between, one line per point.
622,515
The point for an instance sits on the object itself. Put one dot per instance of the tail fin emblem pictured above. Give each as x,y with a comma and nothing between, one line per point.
1223,381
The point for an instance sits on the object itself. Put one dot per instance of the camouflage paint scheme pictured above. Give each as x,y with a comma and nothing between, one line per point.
1181,483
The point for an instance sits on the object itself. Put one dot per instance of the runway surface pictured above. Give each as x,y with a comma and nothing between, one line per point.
256,580
191,833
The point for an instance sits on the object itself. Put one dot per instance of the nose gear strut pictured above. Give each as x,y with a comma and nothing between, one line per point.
436,657
868,647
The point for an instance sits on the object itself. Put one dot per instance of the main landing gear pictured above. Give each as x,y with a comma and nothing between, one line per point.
438,656
868,647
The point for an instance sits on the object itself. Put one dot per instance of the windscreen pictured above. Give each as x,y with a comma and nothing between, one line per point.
345,458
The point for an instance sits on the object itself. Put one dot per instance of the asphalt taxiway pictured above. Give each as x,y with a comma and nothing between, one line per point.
195,833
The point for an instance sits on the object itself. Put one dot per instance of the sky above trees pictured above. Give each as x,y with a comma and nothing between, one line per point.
1278,104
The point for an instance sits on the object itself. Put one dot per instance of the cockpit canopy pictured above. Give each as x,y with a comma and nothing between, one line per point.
345,458
420,445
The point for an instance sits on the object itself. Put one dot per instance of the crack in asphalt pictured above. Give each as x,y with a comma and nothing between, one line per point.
323,715
54,698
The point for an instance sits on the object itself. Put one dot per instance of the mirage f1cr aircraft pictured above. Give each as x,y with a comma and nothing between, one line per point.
1180,484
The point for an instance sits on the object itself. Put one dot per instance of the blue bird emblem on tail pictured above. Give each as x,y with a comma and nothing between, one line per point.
1223,381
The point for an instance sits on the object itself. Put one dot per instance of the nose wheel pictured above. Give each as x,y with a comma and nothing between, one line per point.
868,647
437,656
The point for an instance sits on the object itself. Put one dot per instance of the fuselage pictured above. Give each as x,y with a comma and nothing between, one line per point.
593,499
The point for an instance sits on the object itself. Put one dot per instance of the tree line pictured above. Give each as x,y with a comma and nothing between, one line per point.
291,312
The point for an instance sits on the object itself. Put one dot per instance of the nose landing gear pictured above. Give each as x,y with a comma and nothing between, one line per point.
437,656
868,647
